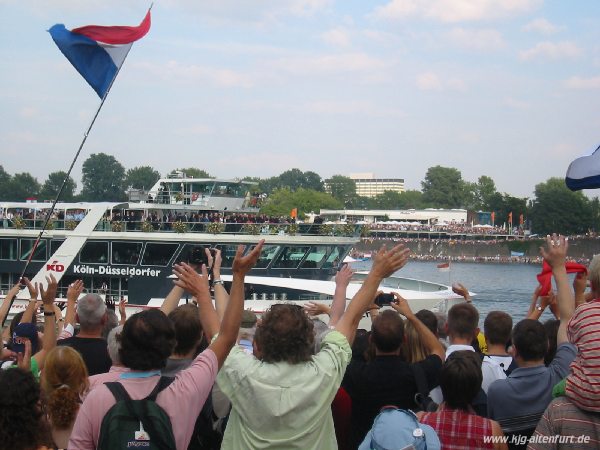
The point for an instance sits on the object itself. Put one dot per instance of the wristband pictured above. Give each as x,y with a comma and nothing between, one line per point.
539,308
218,281
48,313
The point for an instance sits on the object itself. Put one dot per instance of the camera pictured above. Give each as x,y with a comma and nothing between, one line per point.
384,299
197,255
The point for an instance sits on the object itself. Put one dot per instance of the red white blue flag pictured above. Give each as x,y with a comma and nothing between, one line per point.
97,52
584,172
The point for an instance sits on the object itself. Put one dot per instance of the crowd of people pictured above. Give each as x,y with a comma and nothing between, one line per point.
209,374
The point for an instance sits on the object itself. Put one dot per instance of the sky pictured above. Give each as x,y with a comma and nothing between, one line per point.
504,88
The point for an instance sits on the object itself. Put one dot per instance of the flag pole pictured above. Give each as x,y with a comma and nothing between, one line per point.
64,183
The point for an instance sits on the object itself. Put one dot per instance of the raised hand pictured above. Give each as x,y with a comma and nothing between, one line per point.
191,281
74,291
49,294
460,289
24,359
122,312
243,264
214,262
315,309
343,276
555,252
386,262
33,292
401,305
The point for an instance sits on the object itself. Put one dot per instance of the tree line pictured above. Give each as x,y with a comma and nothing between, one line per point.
553,208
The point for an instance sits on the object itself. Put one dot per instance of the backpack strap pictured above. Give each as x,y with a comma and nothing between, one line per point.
422,393
163,383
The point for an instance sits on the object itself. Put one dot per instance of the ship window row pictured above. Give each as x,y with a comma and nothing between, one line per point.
164,253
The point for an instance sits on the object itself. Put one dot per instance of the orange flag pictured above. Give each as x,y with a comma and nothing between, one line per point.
294,213
510,218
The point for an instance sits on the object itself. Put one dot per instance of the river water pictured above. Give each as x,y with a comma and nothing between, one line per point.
498,287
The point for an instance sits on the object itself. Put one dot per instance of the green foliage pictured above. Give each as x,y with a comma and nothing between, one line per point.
397,200
483,191
147,227
504,204
342,188
558,209
179,227
53,184
292,180
18,222
251,228
142,177
70,225
444,187
117,226
282,201
102,179
4,184
21,186
215,227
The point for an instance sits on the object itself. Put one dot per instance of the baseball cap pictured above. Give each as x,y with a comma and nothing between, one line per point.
22,332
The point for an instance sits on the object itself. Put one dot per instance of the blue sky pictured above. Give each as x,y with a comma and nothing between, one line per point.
505,88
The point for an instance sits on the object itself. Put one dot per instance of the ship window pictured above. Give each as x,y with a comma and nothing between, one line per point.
27,247
126,252
54,244
227,254
316,255
8,249
266,255
334,259
158,254
94,252
290,257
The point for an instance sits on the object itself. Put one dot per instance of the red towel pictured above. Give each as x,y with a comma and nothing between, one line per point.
545,276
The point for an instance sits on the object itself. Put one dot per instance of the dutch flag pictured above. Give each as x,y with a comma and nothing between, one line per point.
97,52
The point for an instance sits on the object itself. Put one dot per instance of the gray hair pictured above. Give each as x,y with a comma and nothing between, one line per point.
321,329
90,309
111,321
114,345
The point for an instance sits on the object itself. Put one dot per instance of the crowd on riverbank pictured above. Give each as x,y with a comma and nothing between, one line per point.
211,375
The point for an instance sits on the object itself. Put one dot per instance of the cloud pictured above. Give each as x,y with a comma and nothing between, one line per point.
339,37
551,50
350,107
194,130
487,39
429,81
333,63
542,26
516,104
192,73
583,83
27,112
454,10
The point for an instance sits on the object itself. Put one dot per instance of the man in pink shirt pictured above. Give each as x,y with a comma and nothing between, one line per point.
147,340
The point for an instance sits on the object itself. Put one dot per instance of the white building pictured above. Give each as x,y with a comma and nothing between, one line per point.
428,216
369,186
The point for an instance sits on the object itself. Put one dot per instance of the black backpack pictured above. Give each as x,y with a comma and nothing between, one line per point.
136,423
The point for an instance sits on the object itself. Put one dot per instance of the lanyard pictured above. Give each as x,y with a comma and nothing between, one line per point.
127,375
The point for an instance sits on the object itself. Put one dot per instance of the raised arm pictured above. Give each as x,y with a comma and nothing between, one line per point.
579,286
556,255
49,341
7,300
32,306
221,294
385,263
459,289
428,338
73,292
172,300
338,305
197,285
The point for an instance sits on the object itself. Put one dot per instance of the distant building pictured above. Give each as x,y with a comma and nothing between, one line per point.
427,216
369,186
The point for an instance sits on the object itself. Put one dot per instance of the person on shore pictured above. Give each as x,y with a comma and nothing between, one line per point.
281,397
455,423
389,379
528,389
91,316
148,339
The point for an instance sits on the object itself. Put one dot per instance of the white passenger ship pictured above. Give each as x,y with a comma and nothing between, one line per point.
127,250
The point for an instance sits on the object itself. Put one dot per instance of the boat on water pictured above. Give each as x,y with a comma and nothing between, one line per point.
127,250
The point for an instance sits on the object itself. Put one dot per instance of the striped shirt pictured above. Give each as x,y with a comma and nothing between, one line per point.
565,426
459,429
583,384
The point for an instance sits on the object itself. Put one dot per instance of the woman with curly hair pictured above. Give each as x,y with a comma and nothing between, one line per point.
64,381
22,423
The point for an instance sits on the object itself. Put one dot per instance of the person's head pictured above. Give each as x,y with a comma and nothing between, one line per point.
64,380
594,275
413,348
429,319
188,329
22,425
530,341
387,331
497,327
460,379
284,334
248,325
463,321
24,332
551,326
91,312
113,345
111,322
320,329
442,321
147,340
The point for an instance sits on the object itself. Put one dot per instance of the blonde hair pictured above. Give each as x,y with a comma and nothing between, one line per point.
64,381
412,347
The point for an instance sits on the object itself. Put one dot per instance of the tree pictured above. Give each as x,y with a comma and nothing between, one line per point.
282,201
4,184
503,205
485,188
412,199
193,172
52,186
556,209
444,187
342,188
22,186
142,177
102,179
293,180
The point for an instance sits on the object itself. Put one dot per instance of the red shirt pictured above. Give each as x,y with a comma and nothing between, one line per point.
459,429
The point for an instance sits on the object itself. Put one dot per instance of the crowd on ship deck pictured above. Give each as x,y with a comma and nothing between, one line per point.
208,374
